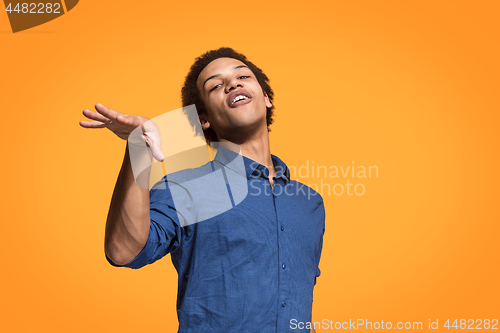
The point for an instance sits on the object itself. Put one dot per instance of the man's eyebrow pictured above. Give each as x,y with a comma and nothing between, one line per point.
217,75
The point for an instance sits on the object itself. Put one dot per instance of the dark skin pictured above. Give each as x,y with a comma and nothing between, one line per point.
243,123
127,225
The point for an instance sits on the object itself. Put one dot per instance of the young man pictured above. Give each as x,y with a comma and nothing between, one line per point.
251,267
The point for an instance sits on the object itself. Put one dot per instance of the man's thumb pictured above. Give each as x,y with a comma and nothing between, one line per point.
157,153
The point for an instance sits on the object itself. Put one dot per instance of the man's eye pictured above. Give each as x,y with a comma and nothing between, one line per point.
243,76
217,86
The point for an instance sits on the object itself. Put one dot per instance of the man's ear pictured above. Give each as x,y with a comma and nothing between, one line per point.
205,124
268,102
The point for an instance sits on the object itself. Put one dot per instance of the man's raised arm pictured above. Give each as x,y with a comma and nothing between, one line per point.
128,222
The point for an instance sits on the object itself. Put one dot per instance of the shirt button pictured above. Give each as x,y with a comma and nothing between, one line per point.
283,304
284,266
282,228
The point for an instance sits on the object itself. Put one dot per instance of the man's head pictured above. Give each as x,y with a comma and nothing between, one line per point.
231,94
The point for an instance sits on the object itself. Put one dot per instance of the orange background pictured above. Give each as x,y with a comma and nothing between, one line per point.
409,87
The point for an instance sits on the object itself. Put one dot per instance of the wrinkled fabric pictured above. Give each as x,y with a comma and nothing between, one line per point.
251,268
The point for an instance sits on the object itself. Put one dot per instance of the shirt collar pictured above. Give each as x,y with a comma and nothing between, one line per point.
228,158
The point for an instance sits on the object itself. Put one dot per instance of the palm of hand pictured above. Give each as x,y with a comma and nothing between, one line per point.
126,127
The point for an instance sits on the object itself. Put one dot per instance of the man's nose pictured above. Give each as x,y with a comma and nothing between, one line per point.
232,84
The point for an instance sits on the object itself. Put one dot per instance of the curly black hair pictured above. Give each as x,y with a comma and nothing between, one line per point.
191,94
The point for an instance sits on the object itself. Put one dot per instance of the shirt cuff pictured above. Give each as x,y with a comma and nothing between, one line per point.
139,261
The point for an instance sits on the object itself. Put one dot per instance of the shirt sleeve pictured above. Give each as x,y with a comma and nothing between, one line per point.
165,231
320,248
318,271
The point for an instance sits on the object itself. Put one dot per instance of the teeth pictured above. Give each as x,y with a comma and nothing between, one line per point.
239,98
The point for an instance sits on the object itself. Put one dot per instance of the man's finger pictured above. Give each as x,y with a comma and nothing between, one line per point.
157,153
92,124
108,113
95,116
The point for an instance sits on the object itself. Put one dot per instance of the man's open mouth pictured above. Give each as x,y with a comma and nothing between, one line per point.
238,97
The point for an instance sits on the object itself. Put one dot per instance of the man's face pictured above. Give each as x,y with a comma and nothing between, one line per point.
235,103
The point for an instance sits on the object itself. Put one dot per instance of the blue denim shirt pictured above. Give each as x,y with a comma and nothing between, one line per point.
251,268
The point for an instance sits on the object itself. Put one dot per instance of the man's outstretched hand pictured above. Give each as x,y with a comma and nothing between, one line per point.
123,125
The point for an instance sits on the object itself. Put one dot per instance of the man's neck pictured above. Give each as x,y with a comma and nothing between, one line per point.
258,149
